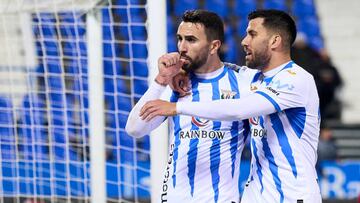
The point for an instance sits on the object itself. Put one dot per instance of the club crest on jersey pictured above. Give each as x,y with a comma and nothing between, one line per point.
253,88
254,120
227,94
199,122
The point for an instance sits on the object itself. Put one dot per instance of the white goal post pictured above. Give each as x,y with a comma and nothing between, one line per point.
69,74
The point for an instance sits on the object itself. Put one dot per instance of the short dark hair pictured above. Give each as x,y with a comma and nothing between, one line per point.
214,26
277,20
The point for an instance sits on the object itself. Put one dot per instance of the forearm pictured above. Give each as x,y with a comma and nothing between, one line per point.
227,109
137,127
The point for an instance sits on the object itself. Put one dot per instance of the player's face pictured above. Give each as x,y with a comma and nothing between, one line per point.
193,45
256,45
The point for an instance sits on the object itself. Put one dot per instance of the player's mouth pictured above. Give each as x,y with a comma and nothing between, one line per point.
248,54
186,58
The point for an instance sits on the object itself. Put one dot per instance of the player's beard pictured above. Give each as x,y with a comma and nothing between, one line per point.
260,58
196,62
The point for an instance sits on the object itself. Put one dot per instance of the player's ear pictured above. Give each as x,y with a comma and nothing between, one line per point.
275,41
215,46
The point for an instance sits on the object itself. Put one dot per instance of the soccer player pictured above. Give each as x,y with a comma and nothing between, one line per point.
204,155
283,113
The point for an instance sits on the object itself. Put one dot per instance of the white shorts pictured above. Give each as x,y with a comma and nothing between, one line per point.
252,194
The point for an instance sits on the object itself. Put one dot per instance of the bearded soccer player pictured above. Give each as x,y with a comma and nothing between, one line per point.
283,112
204,155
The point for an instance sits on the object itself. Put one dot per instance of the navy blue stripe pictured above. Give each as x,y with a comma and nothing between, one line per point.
215,147
235,125
246,126
283,141
297,118
258,165
192,153
273,168
234,84
277,107
176,120
256,77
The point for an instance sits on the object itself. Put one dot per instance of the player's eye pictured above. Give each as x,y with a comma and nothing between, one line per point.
190,39
179,38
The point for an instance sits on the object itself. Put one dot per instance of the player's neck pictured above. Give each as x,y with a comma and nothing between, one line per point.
276,61
212,64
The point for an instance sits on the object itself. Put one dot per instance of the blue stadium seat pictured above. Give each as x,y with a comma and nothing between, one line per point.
172,44
302,8
316,42
138,15
123,86
106,15
140,86
70,49
56,100
74,24
182,5
171,35
124,50
33,137
108,32
123,31
111,67
310,26
243,7
275,4
230,45
48,25
139,51
140,69
242,26
53,65
7,138
110,102
51,47
121,13
218,6
138,32
124,103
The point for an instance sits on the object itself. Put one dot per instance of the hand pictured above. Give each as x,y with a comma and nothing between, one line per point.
169,65
157,108
181,83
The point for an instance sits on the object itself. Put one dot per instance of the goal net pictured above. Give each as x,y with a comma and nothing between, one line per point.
45,102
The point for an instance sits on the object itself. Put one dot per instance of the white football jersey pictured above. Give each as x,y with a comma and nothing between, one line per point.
284,143
204,159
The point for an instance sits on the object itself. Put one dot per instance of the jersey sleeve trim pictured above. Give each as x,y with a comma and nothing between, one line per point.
273,102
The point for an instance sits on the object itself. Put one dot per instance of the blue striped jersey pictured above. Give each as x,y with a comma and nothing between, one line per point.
204,155
284,143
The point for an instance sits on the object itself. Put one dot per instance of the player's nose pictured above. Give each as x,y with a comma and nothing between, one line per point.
182,47
245,42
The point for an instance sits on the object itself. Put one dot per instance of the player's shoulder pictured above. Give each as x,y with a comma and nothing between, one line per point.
294,73
240,69
294,79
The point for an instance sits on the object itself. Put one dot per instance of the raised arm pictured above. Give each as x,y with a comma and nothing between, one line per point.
169,65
